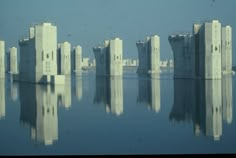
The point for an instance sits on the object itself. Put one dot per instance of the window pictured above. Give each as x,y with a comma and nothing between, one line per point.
47,56
216,48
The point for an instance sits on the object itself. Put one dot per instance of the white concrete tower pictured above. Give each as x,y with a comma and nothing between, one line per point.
38,55
115,57
2,98
13,65
154,54
78,58
226,41
210,50
64,51
2,59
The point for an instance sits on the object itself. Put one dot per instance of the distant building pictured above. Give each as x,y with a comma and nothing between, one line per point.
77,53
13,62
2,59
109,58
226,42
64,58
85,62
149,55
38,56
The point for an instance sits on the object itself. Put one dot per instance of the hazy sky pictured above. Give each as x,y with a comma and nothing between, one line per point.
89,22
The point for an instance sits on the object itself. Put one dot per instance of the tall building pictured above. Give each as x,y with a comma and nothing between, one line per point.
13,62
39,112
226,41
2,98
2,59
149,55
207,38
77,52
109,58
64,58
149,92
184,57
38,55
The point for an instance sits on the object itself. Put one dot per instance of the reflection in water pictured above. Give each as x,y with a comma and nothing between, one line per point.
149,91
2,98
109,90
39,111
14,90
227,101
65,93
201,102
78,87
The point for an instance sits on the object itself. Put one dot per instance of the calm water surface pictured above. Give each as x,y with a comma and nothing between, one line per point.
133,115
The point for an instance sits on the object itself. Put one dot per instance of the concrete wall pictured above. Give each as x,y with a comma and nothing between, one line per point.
227,98
154,54
2,59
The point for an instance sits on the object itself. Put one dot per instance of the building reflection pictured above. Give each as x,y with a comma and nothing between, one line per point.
64,92
109,91
2,99
14,90
205,103
149,91
39,111
78,86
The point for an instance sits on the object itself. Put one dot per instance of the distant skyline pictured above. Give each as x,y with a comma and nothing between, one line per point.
89,22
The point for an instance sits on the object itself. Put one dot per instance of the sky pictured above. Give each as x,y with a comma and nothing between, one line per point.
89,22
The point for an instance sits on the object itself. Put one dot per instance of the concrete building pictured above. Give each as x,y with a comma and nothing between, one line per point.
149,92
64,58
184,57
109,91
13,62
85,62
207,44
2,59
38,56
39,112
77,52
149,55
2,99
226,42
109,58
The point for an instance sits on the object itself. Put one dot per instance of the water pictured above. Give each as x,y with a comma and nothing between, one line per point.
133,115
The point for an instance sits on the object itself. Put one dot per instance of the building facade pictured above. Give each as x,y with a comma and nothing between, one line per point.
77,52
64,58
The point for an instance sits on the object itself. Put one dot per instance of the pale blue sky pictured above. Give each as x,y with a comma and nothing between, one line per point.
90,22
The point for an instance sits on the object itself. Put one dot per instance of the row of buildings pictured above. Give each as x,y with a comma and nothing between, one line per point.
205,53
